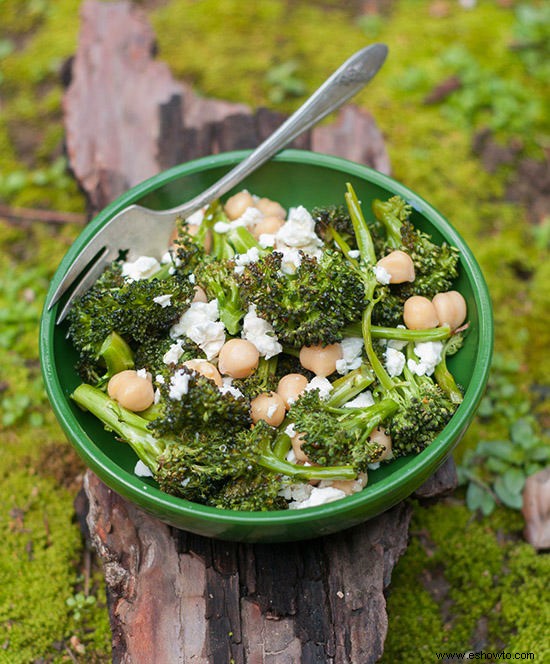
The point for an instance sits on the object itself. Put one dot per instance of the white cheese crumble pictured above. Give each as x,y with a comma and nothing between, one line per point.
141,373
362,400
163,300
429,355
241,260
381,274
196,218
170,257
227,388
318,496
322,384
394,361
179,384
267,240
299,232
271,410
260,333
142,268
354,253
159,379
141,470
200,324
297,492
352,350
291,261
173,354
290,430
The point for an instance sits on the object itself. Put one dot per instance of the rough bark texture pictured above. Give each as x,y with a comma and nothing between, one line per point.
175,597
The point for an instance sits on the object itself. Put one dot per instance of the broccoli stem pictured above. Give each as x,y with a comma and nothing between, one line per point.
116,354
362,233
350,385
388,213
128,425
367,418
445,379
241,239
400,333
268,460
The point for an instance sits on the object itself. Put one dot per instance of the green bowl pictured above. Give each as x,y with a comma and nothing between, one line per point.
294,177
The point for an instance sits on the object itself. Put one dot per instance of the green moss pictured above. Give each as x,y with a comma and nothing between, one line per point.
466,584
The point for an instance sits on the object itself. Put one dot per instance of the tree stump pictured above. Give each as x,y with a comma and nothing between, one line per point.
175,597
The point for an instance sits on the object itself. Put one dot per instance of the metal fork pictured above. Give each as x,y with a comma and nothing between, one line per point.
151,229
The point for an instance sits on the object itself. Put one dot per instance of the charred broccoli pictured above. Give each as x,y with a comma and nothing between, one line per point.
310,306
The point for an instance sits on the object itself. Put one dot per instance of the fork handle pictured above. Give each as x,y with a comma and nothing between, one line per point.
344,83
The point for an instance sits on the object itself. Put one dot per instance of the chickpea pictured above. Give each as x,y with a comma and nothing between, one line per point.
321,359
267,225
290,387
268,407
238,358
206,369
131,390
349,487
297,441
380,436
200,295
451,308
270,209
237,204
399,265
419,313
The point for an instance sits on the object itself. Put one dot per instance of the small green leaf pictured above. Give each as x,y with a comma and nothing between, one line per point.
514,480
487,504
521,432
501,449
474,496
497,466
539,453
509,498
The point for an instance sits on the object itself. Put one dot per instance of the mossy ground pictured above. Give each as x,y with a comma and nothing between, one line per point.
465,583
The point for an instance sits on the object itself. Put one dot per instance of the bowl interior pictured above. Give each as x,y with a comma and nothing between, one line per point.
293,178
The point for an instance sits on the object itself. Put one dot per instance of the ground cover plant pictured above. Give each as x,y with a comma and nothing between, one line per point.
479,160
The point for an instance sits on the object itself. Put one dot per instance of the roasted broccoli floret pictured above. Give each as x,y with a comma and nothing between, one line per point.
135,310
217,278
310,306
199,407
150,354
264,379
436,266
113,356
333,219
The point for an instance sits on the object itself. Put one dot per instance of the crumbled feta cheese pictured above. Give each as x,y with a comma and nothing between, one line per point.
141,470
297,492
227,388
159,379
142,268
191,278
429,355
173,354
163,300
291,261
156,396
322,384
267,240
196,218
318,496
170,257
200,324
141,373
291,456
299,232
354,253
179,384
290,430
251,256
260,332
381,274
250,217
352,350
374,466
360,401
394,361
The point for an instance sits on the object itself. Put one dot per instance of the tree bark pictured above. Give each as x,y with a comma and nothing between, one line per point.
175,597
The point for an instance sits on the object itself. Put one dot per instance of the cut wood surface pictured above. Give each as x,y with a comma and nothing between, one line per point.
175,597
